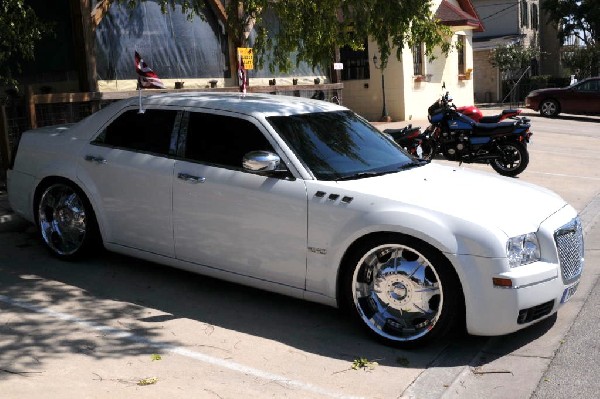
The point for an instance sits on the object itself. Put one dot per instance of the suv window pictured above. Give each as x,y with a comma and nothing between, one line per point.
149,131
222,140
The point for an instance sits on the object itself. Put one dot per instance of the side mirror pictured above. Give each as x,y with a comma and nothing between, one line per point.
261,161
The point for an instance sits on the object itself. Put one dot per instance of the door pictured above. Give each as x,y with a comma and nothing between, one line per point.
233,220
130,167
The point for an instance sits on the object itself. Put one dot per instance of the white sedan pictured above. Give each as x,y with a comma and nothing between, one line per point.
304,198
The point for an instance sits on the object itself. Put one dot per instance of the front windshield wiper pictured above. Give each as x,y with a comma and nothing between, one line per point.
362,175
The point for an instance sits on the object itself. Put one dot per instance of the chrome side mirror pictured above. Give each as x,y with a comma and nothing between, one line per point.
261,161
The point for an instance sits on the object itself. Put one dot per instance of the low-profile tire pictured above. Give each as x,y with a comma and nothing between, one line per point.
66,221
514,159
402,291
549,108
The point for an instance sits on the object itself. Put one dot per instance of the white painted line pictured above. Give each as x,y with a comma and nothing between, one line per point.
564,175
117,333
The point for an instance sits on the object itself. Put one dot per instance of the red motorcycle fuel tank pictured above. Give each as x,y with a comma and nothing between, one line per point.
471,111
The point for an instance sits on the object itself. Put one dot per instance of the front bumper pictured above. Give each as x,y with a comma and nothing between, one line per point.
538,289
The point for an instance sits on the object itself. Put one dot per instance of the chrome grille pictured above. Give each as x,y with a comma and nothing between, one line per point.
569,242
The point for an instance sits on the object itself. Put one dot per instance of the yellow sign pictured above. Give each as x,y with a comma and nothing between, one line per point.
246,54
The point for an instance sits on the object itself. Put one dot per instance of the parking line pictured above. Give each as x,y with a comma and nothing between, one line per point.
125,335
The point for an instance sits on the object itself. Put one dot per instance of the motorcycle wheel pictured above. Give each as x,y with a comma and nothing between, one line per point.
427,150
513,159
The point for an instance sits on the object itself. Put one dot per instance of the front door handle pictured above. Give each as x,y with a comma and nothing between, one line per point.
190,179
92,158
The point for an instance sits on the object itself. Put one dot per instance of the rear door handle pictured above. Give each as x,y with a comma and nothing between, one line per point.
92,158
190,179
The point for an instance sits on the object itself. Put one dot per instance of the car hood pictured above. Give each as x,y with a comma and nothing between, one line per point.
513,206
547,91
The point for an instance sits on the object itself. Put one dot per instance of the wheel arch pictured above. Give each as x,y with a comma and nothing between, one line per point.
52,179
359,242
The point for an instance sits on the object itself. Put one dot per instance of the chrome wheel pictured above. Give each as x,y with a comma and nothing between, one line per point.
549,108
62,219
401,290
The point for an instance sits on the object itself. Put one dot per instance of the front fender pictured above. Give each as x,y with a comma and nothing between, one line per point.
328,242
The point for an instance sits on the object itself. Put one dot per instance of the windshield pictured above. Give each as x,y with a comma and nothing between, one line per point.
341,145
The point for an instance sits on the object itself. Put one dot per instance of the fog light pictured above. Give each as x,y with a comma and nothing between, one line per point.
502,282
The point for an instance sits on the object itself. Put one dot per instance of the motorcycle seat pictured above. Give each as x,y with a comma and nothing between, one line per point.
493,129
496,118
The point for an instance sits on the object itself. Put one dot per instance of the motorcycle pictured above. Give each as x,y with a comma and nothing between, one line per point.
408,138
475,113
457,137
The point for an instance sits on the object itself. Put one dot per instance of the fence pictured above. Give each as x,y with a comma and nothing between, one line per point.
37,110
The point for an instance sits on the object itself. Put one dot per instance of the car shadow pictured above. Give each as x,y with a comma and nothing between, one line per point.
111,288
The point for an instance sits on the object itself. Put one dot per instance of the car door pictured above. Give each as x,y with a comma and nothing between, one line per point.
129,166
230,219
589,97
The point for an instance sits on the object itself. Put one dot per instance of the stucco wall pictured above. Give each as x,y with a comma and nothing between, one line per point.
407,99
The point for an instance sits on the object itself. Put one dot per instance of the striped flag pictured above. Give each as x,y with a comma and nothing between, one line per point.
147,78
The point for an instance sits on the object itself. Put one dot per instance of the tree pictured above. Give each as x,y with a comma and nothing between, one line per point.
315,29
513,59
20,30
580,19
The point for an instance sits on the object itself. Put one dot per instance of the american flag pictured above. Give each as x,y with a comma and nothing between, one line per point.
147,78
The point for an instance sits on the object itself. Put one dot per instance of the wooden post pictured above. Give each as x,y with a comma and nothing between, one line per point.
4,142
31,108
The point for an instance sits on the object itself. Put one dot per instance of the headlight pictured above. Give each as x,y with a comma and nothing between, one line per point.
522,250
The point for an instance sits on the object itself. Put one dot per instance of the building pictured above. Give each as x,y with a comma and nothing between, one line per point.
97,39
507,22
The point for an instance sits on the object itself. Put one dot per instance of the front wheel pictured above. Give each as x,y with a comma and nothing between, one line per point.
66,221
401,290
512,159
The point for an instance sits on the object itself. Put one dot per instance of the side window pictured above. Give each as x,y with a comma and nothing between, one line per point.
222,140
150,131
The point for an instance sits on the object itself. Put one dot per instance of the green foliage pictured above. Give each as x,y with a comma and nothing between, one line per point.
315,29
583,62
513,59
20,30
580,18
363,363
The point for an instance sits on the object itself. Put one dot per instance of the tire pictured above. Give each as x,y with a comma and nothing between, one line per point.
403,292
427,149
66,221
514,159
549,108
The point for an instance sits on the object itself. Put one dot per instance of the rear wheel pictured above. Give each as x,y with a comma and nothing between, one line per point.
66,221
549,108
513,159
401,290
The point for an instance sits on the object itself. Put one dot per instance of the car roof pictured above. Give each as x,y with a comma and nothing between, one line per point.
249,103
